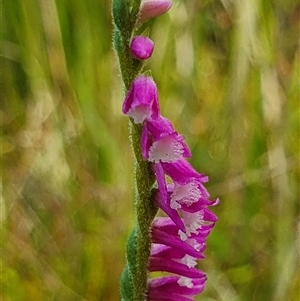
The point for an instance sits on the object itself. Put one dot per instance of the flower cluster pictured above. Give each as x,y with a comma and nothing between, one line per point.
179,239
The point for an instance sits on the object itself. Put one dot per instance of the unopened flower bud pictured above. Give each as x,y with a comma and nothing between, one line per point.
141,47
153,8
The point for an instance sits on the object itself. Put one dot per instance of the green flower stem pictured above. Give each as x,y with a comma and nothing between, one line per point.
129,66
135,275
125,14
145,212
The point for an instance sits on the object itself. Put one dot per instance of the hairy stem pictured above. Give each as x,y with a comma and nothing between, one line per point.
144,177
145,212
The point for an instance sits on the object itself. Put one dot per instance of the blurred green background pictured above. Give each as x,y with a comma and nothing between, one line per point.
228,77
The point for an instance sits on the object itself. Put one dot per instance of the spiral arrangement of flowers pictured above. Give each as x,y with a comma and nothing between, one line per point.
164,178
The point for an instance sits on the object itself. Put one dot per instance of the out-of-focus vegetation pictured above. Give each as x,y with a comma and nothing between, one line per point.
228,77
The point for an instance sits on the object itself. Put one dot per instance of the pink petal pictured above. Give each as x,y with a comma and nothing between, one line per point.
167,265
182,172
153,8
170,284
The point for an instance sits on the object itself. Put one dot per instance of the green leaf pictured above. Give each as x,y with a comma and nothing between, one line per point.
131,251
126,285
120,11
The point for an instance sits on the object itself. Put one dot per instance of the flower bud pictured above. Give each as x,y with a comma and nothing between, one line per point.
141,47
141,101
153,8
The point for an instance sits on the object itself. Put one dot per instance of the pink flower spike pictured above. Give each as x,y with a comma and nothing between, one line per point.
153,8
141,101
141,47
